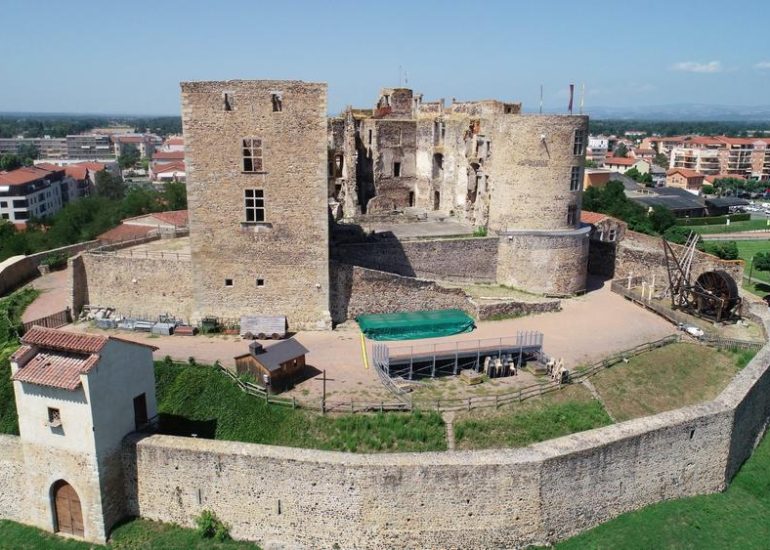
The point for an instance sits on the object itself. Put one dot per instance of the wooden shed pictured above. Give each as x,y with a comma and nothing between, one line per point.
277,367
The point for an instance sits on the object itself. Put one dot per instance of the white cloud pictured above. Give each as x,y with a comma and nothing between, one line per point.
762,65
695,67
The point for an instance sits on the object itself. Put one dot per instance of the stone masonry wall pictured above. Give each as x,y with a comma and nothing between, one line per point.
441,259
357,290
139,286
642,255
544,262
11,478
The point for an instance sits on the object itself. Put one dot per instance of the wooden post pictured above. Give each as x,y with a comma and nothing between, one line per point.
469,403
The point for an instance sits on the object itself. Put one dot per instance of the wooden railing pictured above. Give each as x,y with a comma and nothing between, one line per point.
257,391
55,320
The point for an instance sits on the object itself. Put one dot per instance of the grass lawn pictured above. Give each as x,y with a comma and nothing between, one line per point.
746,251
562,412
198,399
135,534
667,378
734,227
737,518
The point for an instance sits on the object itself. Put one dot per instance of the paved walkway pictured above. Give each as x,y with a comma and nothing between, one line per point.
55,288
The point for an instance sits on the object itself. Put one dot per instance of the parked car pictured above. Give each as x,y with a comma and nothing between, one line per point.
692,330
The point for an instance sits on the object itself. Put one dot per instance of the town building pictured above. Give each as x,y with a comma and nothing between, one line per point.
89,147
596,177
624,164
144,143
77,397
683,178
31,192
47,147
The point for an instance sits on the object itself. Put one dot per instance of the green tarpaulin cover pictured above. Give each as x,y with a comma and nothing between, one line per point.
415,324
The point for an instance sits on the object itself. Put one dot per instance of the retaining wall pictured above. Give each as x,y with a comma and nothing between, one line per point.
17,270
461,259
135,285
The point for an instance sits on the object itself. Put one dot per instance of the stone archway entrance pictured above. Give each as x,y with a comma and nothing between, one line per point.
68,516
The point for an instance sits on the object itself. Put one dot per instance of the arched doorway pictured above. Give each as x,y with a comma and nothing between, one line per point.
68,517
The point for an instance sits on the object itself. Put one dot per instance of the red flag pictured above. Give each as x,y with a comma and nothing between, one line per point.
571,94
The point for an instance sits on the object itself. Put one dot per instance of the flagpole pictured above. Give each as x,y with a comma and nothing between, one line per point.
541,99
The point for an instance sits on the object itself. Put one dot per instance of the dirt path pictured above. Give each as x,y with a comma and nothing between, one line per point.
54,289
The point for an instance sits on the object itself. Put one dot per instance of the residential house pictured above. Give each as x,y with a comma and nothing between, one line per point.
683,178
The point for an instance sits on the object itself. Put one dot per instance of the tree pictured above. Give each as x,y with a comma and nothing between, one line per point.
109,186
708,189
590,164
28,153
129,156
761,261
661,160
726,250
621,150
661,219
175,195
9,162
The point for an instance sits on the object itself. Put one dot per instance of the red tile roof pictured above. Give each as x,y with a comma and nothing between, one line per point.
168,155
56,369
125,232
173,217
175,141
93,166
77,171
592,217
50,167
128,139
686,172
22,176
62,340
620,161
176,166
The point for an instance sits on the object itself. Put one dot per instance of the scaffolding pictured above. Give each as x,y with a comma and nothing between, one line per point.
450,358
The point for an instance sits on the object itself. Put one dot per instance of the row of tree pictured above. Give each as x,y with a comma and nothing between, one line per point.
612,200
84,219
63,125
677,128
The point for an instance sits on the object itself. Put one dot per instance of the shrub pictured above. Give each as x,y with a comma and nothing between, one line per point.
55,260
480,232
211,527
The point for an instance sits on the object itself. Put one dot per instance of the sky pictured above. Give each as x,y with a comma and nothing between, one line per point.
82,56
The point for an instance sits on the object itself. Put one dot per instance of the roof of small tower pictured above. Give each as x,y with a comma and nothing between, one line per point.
59,357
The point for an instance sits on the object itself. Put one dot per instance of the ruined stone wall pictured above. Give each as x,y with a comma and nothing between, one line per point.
357,290
642,255
486,311
139,286
471,260
288,252
78,285
530,167
395,142
601,258
548,262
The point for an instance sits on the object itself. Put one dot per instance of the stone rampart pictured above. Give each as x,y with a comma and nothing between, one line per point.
642,255
138,286
461,259
482,499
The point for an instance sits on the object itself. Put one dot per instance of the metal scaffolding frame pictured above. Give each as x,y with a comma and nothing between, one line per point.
449,358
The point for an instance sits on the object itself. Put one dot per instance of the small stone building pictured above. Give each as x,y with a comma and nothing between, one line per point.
77,397
276,368
684,178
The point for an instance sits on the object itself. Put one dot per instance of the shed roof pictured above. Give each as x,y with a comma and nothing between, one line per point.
56,369
721,202
271,358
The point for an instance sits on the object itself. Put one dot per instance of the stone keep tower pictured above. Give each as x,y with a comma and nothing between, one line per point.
77,397
256,154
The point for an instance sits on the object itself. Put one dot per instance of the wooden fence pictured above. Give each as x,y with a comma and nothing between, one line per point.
257,391
55,320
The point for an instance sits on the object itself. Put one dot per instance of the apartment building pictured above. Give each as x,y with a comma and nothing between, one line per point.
31,192
89,147
48,147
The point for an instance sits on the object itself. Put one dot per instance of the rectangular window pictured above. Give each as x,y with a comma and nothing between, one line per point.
254,204
260,282
396,169
572,215
277,99
611,238
370,137
252,155
3,204
54,417
228,282
574,180
578,148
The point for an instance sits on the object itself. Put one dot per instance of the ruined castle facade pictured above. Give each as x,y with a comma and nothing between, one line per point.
272,180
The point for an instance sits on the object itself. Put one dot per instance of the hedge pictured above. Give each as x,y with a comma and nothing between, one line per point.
714,220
